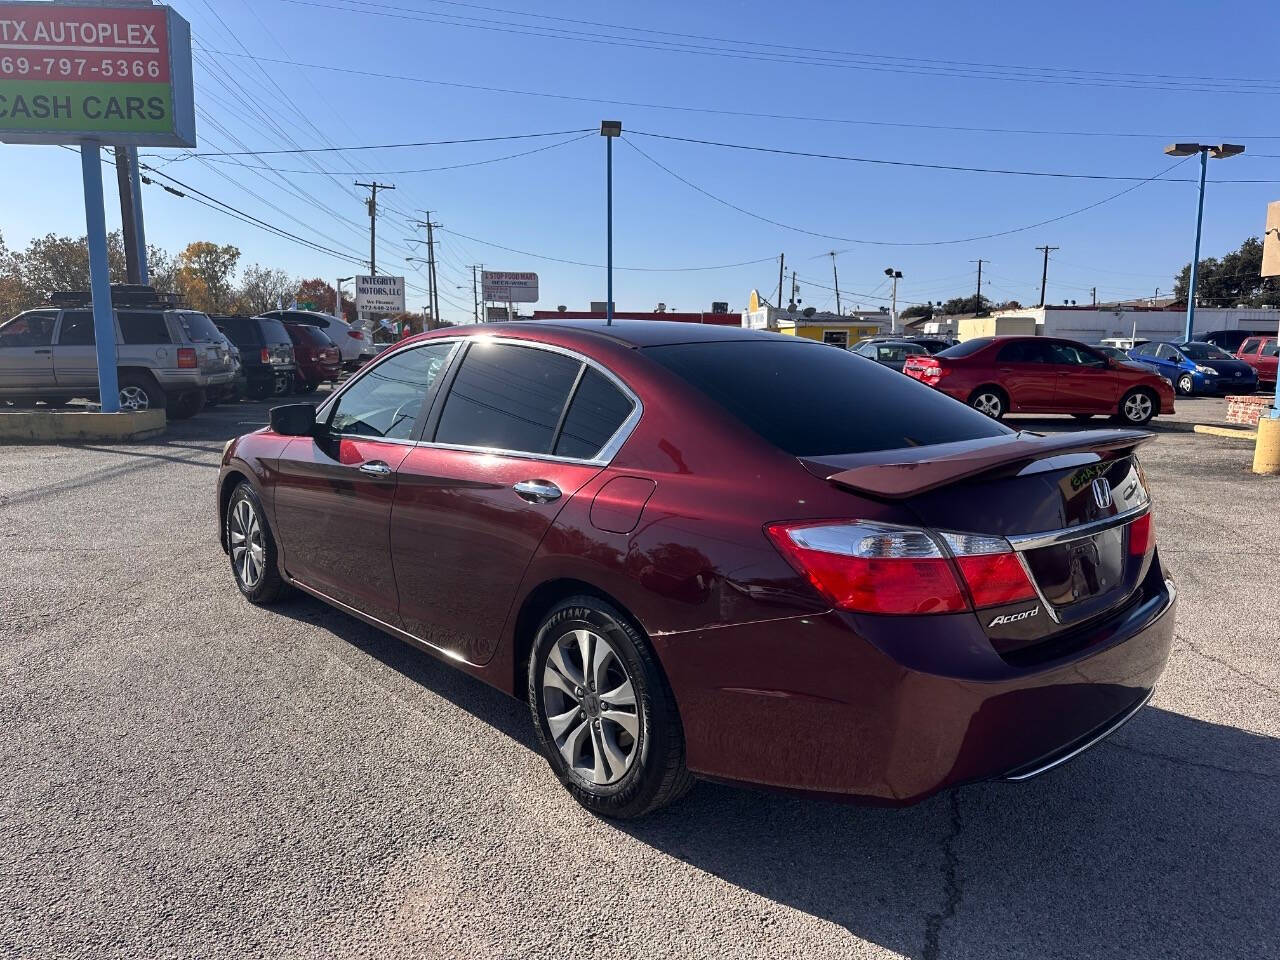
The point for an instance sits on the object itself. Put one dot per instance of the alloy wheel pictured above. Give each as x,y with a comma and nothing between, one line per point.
1185,384
988,403
1137,408
590,707
134,398
248,551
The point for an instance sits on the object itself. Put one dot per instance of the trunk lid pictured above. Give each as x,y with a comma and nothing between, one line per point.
1064,502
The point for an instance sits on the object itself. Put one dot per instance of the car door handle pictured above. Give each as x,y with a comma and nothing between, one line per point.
375,468
1005,370
537,491
45,350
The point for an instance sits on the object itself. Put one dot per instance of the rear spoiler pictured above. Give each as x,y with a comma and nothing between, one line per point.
897,474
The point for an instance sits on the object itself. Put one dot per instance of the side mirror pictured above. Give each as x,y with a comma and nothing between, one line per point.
294,420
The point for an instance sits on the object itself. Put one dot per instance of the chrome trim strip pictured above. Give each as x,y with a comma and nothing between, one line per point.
601,459
1032,541
1049,608
1059,761
396,632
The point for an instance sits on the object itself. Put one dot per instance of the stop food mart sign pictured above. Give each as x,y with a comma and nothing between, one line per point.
116,73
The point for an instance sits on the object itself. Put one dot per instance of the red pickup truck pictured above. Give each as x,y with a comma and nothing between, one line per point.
1261,354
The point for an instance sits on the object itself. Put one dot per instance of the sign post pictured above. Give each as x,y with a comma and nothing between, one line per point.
110,73
1271,268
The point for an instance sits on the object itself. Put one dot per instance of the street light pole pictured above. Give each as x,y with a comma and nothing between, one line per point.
609,129
895,276
1221,151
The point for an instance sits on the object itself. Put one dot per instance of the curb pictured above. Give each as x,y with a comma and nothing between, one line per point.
1229,432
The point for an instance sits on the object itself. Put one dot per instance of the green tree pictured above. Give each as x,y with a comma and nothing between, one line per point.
205,276
264,288
1232,280
52,263
970,304
923,310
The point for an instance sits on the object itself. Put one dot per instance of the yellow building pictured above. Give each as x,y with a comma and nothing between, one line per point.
841,331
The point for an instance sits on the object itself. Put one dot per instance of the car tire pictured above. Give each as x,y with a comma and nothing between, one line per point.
186,405
251,547
1137,407
991,401
1185,384
301,386
620,760
138,391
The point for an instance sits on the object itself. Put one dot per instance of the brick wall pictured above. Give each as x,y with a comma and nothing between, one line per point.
1247,410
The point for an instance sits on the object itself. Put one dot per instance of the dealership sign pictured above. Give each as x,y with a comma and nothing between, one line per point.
115,73
380,294
502,287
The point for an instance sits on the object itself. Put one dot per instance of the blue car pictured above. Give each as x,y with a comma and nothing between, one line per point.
1195,367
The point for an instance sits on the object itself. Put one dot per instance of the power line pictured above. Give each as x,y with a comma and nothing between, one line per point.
388,146
744,114
938,69
895,243
914,163
211,158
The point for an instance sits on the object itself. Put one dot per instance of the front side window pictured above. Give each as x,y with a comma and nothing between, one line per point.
1270,349
386,401
507,397
31,329
1067,353
77,329
1250,346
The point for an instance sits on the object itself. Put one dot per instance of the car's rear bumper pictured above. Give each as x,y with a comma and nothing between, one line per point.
891,710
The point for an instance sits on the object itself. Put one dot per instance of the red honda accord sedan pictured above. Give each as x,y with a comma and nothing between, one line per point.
999,375
712,552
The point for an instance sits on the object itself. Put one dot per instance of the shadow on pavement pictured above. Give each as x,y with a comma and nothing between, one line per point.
1160,842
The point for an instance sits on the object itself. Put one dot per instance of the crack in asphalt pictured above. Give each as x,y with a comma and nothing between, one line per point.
951,884
106,473
1228,666
1199,764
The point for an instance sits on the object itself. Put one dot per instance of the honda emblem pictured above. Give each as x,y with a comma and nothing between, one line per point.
1102,493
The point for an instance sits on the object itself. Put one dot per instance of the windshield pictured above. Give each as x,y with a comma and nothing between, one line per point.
965,349
1204,351
812,402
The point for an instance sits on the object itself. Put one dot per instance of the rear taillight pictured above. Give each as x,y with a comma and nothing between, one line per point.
358,334
878,568
924,368
187,359
1142,536
266,355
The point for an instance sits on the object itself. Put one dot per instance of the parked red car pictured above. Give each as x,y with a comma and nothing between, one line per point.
999,375
644,531
1261,354
318,358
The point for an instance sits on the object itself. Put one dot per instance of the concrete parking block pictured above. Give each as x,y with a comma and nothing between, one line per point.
49,426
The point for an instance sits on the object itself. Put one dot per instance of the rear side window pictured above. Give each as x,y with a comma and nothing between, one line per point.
31,329
76,329
966,349
273,331
775,387
143,326
507,397
597,411
242,331
198,327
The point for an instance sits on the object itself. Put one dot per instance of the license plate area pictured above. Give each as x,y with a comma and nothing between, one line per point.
1081,570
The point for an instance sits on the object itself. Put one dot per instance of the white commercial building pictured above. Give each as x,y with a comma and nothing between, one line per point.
1094,324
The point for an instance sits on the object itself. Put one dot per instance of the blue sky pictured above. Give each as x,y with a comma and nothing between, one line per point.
552,202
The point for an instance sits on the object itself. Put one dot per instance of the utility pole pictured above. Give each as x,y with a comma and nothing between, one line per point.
836,277
128,219
434,292
793,286
372,204
977,305
475,296
1044,274
1093,292
782,261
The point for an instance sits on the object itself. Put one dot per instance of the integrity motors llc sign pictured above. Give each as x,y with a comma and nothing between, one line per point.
380,294
116,73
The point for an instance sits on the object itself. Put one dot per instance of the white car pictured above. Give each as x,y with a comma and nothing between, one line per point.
354,344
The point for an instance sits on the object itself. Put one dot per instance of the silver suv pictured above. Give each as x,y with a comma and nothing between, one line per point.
164,357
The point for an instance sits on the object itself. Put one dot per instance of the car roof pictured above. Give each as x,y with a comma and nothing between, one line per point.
629,333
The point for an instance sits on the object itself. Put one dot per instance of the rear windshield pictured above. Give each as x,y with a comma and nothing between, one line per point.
967,348
273,331
1204,351
812,401
242,331
199,328
314,336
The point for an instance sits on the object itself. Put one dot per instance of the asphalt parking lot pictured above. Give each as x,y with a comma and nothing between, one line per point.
185,775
